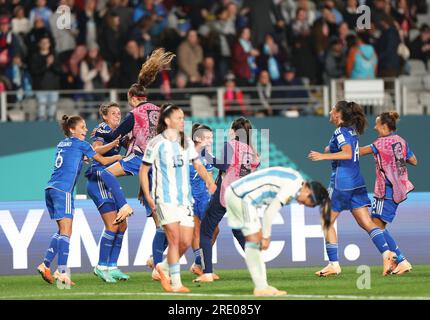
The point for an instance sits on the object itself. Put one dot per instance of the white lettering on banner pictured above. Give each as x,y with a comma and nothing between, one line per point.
19,241
300,232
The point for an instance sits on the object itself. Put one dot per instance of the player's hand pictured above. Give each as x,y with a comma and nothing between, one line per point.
265,243
211,187
316,156
93,133
118,157
86,160
116,142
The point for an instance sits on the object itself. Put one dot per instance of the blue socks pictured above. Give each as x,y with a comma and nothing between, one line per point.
159,244
331,249
114,187
116,250
63,252
198,256
377,236
52,250
106,244
393,246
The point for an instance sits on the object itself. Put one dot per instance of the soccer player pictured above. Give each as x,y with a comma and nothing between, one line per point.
238,160
347,187
271,188
58,193
171,200
111,239
391,153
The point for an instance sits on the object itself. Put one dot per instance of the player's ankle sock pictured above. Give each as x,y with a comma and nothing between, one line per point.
393,246
164,265
52,250
106,243
114,187
63,251
331,249
158,245
256,265
116,249
175,275
378,239
198,257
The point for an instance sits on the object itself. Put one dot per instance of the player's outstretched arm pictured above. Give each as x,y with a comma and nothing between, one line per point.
204,174
107,160
365,150
345,154
412,160
102,149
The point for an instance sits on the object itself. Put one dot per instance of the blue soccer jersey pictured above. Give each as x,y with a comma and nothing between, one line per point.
346,173
198,186
68,163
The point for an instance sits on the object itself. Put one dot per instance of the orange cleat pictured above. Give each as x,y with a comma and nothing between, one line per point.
215,276
150,262
164,279
206,277
181,289
269,291
387,260
196,269
45,272
63,277
402,267
329,270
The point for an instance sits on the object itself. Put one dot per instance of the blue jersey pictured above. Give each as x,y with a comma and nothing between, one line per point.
68,163
102,129
346,173
198,186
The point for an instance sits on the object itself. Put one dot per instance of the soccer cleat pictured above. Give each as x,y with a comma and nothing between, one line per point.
206,277
117,274
124,212
387,265
45,272
104,275
215,276
164,279
402,268
63,278
181,289
329,270
269,291
150,262
196,269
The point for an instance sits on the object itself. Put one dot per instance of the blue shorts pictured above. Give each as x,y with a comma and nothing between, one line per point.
384,209
132,163
348,200
98,192
201,203
60,204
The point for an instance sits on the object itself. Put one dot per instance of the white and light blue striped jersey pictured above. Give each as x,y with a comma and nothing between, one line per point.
263,186
171,170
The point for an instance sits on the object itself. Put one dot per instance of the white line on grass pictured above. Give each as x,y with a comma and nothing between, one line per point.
295,296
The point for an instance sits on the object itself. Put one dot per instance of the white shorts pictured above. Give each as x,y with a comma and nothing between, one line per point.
170,213
241,214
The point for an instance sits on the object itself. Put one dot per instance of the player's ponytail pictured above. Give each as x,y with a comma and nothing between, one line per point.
352,115
158,60
390,119
321,198
69,122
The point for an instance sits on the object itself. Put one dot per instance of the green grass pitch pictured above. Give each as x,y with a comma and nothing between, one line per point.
300,283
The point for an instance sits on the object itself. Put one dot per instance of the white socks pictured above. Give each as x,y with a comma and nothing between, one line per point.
256,265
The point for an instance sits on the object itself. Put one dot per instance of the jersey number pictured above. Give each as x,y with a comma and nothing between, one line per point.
59,159
177,161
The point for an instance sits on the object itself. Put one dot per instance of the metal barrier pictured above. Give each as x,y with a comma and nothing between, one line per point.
202,101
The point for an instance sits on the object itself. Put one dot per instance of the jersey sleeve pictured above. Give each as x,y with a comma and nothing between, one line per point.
289,191
374,149
342,137
150,152
87,149
98,135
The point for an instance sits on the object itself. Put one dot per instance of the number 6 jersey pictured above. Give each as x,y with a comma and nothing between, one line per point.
68,163
171,171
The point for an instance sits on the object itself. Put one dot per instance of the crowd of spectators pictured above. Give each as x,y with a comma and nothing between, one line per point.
217,42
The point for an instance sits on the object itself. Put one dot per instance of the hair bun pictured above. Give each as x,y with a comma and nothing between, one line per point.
394,115
65,117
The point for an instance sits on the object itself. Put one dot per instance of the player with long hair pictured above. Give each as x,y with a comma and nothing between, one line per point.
239,159
169,153
271,188
111,239
59,192
347,187
391,153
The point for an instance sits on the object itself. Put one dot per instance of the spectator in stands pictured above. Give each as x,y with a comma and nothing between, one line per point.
183,97
243,58
386,49
89,24
330,6
300,25
125,14
130,64
335,61
265,93
405,15
93,70
45,71
20,79
141,34
296,98
9,44
156,11
342,34
65,38
362,62
20,23
271,59
36,33
190,55
111,39
71,77
380,8
324,28
234,103
350,14
420,46
42,11
210,78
